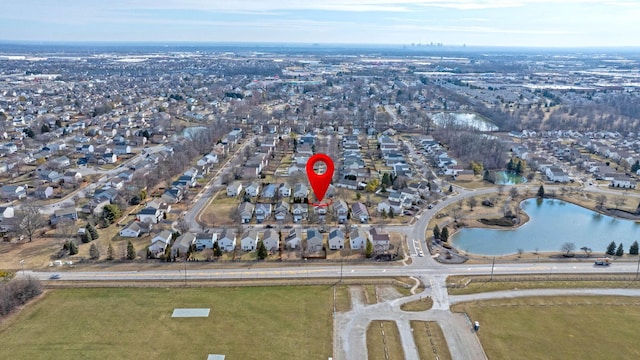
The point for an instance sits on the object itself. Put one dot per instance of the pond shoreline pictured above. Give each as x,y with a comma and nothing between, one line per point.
470,220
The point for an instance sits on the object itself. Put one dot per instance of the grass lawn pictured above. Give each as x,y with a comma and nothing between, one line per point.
430,340
557,327
479,285
417,305
384,337
118,323
219,211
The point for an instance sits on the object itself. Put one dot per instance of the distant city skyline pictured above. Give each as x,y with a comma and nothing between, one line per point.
525,23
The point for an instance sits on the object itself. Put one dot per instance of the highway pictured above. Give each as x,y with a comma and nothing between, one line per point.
196,272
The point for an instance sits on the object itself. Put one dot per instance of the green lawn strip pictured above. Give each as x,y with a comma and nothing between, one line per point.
343,298
417,305
377,342
430,340
370,294
485,285
568,327
289,322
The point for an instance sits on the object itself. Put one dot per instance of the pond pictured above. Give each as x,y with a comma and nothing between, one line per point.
509,178
551,224
471,120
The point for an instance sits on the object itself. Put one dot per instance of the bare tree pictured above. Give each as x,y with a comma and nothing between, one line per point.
29,220
620,201
568,247
472,202
601,200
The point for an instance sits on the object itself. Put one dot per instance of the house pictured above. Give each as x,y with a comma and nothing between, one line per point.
299,212
65,214
133,230
72,177
13,192
43,192
293,239
381,242
336,239
341,210
281,210
269,191
51,176
173,195
160,242
122,149
359,211
110,158
227,240
249,240
263,212
253,189
149,214
357,239
205,240
623,181
271,240
95,206
234,189
314,240
183,244
556,174
246,212
6,212
285,190
300,191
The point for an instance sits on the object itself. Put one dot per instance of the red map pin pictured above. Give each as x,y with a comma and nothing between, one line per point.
319,182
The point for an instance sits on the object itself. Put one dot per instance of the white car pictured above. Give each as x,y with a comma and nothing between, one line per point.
420,253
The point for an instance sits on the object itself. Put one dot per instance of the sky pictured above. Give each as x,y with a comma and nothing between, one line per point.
526,23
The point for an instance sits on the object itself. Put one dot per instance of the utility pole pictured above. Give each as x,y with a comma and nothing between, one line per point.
22,264
185,272
637,268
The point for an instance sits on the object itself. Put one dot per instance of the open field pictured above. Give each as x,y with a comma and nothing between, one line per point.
119,323
463,285
557,327
219,211
430,340
383,335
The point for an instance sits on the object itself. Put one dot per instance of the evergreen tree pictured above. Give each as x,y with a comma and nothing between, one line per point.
216,249
620,250
436,232
611,249
131,251
86,237
368,250
94,253
73,248
444,234
636,166
262,250
450,188
390,213
111,213
91,229
633,249
540,191
110,252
